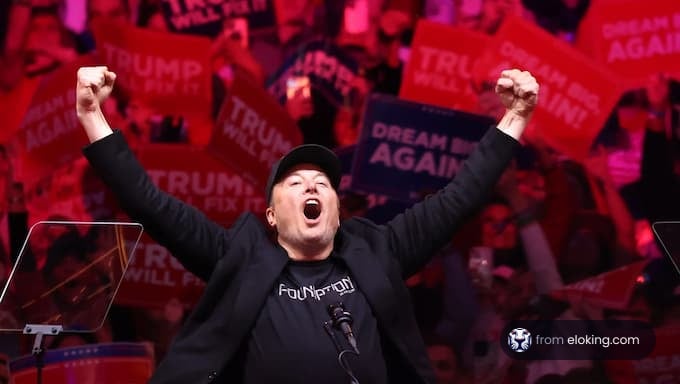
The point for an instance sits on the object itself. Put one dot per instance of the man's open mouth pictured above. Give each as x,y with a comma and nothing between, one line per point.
312,209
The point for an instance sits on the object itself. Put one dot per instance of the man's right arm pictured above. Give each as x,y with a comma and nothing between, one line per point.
188,234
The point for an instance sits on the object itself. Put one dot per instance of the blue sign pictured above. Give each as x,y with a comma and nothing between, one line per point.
380,209
408,150
346,156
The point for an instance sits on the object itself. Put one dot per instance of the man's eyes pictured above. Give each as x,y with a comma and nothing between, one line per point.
324,183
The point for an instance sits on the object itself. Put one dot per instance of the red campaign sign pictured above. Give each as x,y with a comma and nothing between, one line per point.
252,131
439,71
50,135
113,363
576,94
611,290
168,73
633,38
196,177
154,277
661,366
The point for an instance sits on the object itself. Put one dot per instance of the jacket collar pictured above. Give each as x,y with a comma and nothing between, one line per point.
259,276
368,274
381,294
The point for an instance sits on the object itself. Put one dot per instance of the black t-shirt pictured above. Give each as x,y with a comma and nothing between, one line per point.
289,344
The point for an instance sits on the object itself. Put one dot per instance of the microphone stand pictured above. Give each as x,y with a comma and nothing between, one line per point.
328,326
38,344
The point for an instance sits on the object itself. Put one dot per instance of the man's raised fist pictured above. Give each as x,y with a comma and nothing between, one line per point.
518,91
94,86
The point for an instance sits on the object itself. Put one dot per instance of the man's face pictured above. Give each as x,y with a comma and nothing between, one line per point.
304,208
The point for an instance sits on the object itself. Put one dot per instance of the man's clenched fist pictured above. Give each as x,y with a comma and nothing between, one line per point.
518,91
94,86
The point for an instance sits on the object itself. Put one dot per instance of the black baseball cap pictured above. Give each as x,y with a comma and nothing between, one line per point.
315,154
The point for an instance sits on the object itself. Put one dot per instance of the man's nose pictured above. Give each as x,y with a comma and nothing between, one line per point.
310,187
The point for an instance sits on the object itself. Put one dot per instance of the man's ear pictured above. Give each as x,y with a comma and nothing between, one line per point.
269,214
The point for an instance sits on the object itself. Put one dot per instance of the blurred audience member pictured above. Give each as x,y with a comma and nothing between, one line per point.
42,46
445,365
394,31
614,206
654,195
151,16
458,292
353,204
494,12
230,48
559,17
346,127
48,44
117,11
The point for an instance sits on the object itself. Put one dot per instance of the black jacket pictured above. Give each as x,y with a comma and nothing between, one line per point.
240,264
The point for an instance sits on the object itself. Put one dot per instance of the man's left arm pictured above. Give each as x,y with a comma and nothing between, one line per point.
417,233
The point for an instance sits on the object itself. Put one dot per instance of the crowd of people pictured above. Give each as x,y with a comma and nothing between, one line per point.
552,221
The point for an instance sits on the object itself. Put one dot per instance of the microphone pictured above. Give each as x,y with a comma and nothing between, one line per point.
342,320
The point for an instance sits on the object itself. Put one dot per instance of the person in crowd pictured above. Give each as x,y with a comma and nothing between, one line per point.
43,44
108,11
445,365
559,17
654,195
